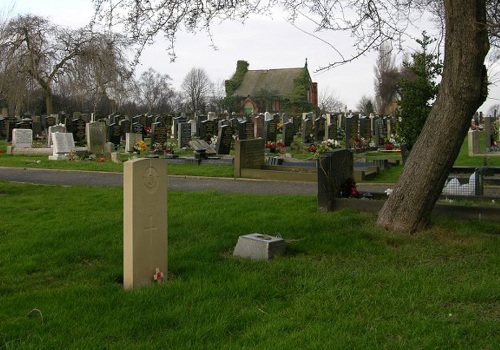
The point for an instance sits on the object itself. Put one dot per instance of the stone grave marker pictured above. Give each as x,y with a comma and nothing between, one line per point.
307,130
270,130
242,130
159,135
258,125
365,130
207,130
224,139
50,120
63,144
249,130
145,237
22,138
96,137
125,127
334,170
54,129
349,131
25,123
183,134
130,141
297,123
332,131
288,133
78,130
257,246
137,128
319,129
114,134
248,154
10,125
203,145
176,122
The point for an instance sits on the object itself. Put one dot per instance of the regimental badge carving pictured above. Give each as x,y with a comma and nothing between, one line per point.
150,178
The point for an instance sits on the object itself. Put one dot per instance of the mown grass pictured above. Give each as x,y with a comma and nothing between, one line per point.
343,284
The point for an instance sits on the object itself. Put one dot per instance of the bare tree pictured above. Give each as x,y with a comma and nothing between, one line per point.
155,90
469,28
328,102
216,98
99,73
366,106
196,87
40,50
386,80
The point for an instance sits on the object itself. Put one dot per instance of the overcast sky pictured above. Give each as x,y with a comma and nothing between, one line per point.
264,43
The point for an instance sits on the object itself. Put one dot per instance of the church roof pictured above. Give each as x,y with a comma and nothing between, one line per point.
273,80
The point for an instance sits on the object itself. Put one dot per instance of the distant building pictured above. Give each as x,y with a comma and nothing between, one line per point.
273,90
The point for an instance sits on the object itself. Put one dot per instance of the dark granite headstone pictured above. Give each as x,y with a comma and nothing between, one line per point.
50,120
332,131
78,130
335,169
224,139
137,128
176,122
319,129
125,127
184,134
288,133
297,123
307,130
365,130
114,134
159,134
207,130
259,125
270,130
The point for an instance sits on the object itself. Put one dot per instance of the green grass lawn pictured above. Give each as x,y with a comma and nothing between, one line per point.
343,284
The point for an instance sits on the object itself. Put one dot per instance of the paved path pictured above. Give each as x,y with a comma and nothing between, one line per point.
184,183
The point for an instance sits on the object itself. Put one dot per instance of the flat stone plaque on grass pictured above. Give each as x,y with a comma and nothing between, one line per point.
145,244
259,246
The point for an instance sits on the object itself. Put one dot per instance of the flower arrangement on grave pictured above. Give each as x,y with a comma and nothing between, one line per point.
275,147
360,144
279,127
349,189
140,146
163,148
323,147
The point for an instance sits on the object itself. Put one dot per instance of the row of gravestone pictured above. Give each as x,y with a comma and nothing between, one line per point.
163,128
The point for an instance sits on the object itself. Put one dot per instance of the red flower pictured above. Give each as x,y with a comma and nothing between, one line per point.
100,160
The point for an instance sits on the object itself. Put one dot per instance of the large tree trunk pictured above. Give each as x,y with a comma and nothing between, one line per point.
49,101
462,91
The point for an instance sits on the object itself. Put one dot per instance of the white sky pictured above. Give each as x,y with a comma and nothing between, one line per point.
263,42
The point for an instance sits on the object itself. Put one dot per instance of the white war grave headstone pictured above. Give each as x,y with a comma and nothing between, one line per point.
22,138
63,143
145,239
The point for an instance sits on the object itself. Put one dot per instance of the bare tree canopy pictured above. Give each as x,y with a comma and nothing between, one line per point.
197,87
470,27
